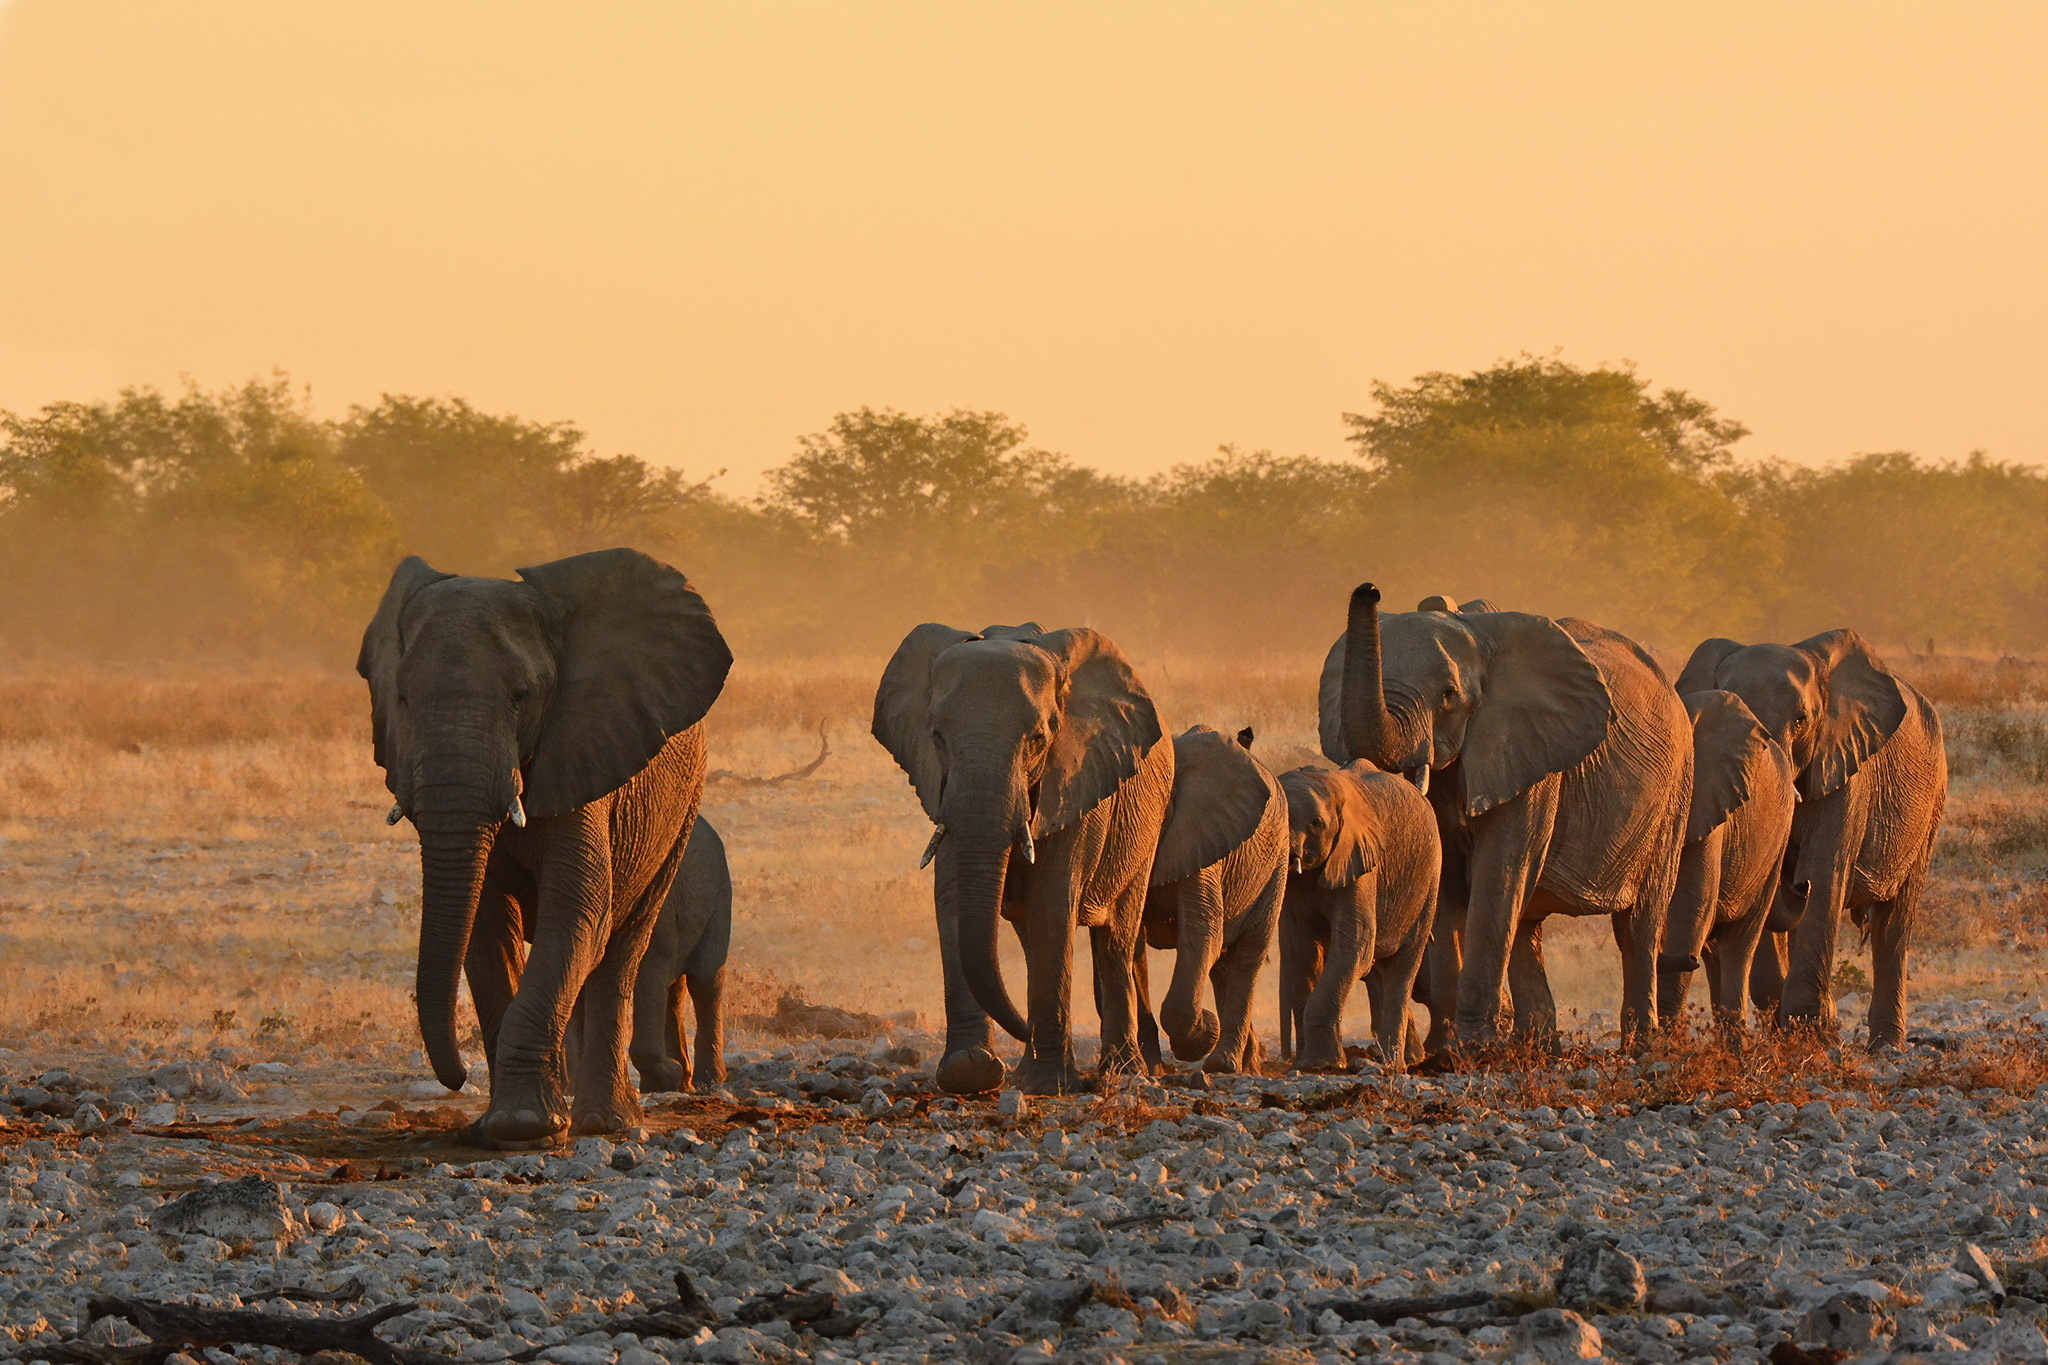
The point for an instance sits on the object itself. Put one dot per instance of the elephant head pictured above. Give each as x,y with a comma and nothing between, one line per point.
1510,697
1327,822
1220,795
1007,736
1829,699
493,700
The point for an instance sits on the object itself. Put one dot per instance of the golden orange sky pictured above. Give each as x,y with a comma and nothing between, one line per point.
1142,229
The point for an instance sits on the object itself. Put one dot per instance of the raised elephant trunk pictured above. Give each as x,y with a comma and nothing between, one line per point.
1387,739
453,852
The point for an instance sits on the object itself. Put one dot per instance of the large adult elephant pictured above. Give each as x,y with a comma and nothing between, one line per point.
1873,778
1039,758
1559,762
543,736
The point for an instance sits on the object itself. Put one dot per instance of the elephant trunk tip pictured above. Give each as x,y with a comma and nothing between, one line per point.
1365,595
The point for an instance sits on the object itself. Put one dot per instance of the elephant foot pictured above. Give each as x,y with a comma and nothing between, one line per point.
1122,1059
519,1130
1036,1076
663,1078
970,1071
600,1120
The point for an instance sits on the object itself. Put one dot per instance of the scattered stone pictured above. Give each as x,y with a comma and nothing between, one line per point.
1972,1261
1557,1334
1013,1104
251,1208
1847,1321
1598,1276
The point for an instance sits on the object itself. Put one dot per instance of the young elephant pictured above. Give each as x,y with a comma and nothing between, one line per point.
1743,797
687,950
1361,899
1215,899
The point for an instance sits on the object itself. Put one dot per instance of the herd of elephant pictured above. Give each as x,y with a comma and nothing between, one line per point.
1491,768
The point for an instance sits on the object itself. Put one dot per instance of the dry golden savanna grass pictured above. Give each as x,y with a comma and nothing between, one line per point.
195,859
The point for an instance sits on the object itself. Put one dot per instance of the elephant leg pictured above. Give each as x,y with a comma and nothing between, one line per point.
493,964
1354,921
1637,942
1301,962
1767,976
605,1099
1148,1026
1891,932
1507,852
1236,973
1529,984
674,1046
1827,851
707,999
1733,966
1118,992
1392,1022
1049,1066
1444,959
656,1048
1712,960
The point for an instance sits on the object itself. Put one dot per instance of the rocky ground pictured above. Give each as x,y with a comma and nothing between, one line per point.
1591,1206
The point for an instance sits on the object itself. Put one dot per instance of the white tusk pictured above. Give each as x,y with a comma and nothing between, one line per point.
518,811
1297,863
1029,849
1420,777
395,814
931,850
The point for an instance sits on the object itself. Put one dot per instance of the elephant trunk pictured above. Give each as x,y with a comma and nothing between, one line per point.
1695,902
453,853
1388,738
1194,1029
985,814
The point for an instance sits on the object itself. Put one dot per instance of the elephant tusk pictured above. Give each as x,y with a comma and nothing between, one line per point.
1025,846
395,814
518,812
1297,864
931,850
1420,777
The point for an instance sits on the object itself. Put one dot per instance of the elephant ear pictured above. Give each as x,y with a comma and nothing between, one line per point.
1351,852
1543,708
1702,671
903,709
1865,708
1728,742
640,660
377,661
1437,602
1330,706
1107,730
1477,604
1220,794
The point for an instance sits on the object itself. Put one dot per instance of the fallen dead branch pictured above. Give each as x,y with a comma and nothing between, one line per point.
1387,1312
793,775
177,1327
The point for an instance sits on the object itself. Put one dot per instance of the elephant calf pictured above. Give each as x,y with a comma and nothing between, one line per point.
1361,899
1743,798
1215,898
687,951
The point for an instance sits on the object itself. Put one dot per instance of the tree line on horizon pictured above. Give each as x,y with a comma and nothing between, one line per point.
237,525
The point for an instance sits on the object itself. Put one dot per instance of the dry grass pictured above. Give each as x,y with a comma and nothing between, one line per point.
199,859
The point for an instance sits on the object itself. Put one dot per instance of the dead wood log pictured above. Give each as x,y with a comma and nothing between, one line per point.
176,1327
1387,1312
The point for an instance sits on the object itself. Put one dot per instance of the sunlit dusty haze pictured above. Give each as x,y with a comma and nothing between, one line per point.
1142,230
